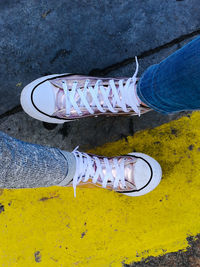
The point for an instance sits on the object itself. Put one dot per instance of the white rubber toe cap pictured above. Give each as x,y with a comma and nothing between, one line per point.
44,98
142,173
41,107
147,176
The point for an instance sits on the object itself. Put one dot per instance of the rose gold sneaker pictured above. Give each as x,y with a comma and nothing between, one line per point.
134,174
59,98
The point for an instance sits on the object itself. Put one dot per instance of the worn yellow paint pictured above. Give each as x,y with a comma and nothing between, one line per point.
19,84
103,228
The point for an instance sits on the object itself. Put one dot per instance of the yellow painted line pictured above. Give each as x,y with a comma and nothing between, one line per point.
49,227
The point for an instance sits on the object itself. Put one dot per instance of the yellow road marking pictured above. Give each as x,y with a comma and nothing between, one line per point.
47,226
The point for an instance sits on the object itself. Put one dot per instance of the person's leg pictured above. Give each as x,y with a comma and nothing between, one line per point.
174,84
24,165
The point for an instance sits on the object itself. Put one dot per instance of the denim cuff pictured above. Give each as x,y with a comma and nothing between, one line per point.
71,169
146,91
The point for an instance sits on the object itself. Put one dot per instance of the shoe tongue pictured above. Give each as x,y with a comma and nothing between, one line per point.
128,169
80,79
137,173
60,95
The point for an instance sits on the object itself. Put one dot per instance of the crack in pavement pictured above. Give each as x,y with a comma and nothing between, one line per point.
187,258
12,111
125,62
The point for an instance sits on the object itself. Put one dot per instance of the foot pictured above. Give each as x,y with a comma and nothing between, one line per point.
59,98
134,174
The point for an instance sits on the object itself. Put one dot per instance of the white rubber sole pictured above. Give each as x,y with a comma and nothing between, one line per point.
27,105
156,178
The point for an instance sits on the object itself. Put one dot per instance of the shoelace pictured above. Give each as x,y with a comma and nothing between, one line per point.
88,167
122,95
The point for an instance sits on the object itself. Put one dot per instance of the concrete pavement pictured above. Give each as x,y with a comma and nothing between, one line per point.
100,38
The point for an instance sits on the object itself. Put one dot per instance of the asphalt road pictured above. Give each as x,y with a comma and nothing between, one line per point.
90,37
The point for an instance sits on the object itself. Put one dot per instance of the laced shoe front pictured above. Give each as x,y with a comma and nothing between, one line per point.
60,98
134,174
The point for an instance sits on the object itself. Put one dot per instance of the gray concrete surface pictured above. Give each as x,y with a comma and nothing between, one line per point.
189,258
87,36
47,36
86,133
90,132
155,57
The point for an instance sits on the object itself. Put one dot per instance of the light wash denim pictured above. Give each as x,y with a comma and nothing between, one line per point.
174,84
24,165
170,86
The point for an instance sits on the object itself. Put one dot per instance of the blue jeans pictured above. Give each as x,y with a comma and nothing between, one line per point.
174,84
170,86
